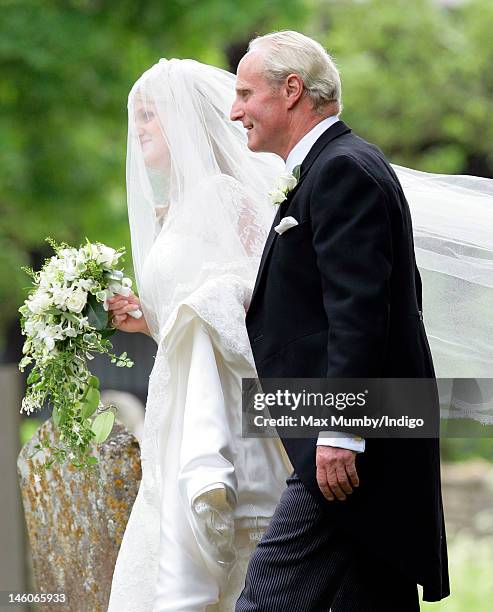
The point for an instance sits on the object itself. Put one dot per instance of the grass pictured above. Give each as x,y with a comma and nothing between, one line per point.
471,576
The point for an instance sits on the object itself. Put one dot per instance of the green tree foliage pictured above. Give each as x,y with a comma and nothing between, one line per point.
417,77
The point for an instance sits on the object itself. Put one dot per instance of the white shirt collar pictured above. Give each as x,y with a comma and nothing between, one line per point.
303,146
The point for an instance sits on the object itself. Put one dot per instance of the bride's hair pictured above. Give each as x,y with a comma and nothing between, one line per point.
289,52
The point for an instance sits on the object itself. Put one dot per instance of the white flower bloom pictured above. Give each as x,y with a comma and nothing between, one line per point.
122,289
25,361
39,302
91,251
70,252
61,294
103,296
125,291
77,301
45,281
29,327
106,256
81,255
115,275
276,196
286,182
39,326
83,322
86,283
28,405
51,333
70,332
70,269
114,287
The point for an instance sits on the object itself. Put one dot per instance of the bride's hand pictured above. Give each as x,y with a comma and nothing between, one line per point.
119,306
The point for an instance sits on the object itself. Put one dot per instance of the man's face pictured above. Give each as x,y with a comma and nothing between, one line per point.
259,106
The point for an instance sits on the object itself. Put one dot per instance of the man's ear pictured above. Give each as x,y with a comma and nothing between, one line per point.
293,89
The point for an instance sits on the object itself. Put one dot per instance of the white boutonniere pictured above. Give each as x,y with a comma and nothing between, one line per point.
286,182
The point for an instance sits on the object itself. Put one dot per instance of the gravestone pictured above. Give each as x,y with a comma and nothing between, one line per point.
75,522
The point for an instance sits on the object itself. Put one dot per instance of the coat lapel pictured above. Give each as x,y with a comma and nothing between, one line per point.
337,129
333,132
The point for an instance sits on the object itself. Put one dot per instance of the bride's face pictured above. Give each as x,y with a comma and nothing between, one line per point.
151,137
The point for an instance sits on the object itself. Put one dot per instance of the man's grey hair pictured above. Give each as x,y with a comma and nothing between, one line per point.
289,52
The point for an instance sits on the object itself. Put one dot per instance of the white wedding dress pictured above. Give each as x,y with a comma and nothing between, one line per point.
167,560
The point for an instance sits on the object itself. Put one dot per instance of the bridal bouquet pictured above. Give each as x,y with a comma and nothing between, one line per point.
65,319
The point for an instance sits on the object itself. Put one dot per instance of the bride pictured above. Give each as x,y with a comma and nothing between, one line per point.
198,221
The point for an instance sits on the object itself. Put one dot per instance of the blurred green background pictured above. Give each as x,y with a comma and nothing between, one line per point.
417,80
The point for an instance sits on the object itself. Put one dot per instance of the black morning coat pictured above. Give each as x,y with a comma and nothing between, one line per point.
339,295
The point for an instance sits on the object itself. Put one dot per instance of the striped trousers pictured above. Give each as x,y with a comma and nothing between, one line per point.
302,564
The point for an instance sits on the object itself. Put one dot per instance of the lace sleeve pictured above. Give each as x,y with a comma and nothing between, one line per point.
250,218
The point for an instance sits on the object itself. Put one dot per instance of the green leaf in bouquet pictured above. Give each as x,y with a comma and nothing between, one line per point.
106,333
91,460
93,381
102,426
70,317
55,415
90,403
33,377
95,313
52,311
59,417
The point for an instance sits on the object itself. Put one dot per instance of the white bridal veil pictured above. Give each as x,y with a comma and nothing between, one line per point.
191,173
453,235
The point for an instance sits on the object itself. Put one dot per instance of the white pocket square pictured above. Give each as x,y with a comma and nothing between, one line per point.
286,223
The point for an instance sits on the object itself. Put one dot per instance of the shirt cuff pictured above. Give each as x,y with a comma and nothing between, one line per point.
348,441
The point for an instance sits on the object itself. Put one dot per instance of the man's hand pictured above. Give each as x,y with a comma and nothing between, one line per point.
336,472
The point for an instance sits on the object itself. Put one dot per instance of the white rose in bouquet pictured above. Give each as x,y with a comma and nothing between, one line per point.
77,300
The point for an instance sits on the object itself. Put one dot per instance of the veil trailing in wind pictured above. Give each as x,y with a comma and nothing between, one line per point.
453,235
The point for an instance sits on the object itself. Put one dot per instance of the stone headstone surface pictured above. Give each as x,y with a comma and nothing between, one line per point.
468,498
75,522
